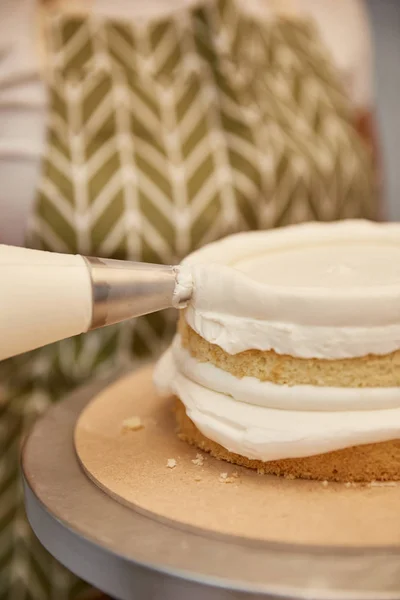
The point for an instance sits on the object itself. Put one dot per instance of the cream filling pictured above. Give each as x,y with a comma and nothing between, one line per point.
243,416
251,390
318,290
237,334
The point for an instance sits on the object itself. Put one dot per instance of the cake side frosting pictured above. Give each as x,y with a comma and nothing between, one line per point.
265,291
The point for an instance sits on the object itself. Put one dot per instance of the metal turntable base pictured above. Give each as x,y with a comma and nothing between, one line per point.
129,555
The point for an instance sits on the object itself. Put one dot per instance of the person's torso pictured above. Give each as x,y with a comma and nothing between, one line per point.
341,25
165,134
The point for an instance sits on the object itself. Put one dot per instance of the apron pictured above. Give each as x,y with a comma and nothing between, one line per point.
163,137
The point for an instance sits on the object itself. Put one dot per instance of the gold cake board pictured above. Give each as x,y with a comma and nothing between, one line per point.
131,466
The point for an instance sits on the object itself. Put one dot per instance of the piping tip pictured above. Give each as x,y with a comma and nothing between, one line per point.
123,290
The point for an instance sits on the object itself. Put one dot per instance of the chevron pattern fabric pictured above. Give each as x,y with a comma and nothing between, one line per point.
161,138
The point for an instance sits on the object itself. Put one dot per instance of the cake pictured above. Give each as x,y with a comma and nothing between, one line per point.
287,358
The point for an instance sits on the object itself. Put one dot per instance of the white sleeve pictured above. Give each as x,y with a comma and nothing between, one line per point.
345,29
22,117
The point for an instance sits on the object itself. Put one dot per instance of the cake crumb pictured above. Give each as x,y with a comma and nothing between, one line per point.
325,483
132,424
382,484
199,460
225,478
171,463
197,478
347,484
289,476
260,471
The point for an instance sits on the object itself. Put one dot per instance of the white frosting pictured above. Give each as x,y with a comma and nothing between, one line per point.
263,433
322,290
183,287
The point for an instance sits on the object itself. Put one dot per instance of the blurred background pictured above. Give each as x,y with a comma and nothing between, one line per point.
91,162
385,22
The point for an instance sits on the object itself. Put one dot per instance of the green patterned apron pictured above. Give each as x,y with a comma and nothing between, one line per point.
163,137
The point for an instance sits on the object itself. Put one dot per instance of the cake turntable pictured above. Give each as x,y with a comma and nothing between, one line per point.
150,531
138,513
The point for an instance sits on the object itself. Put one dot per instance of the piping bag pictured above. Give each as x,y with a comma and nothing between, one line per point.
46,297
